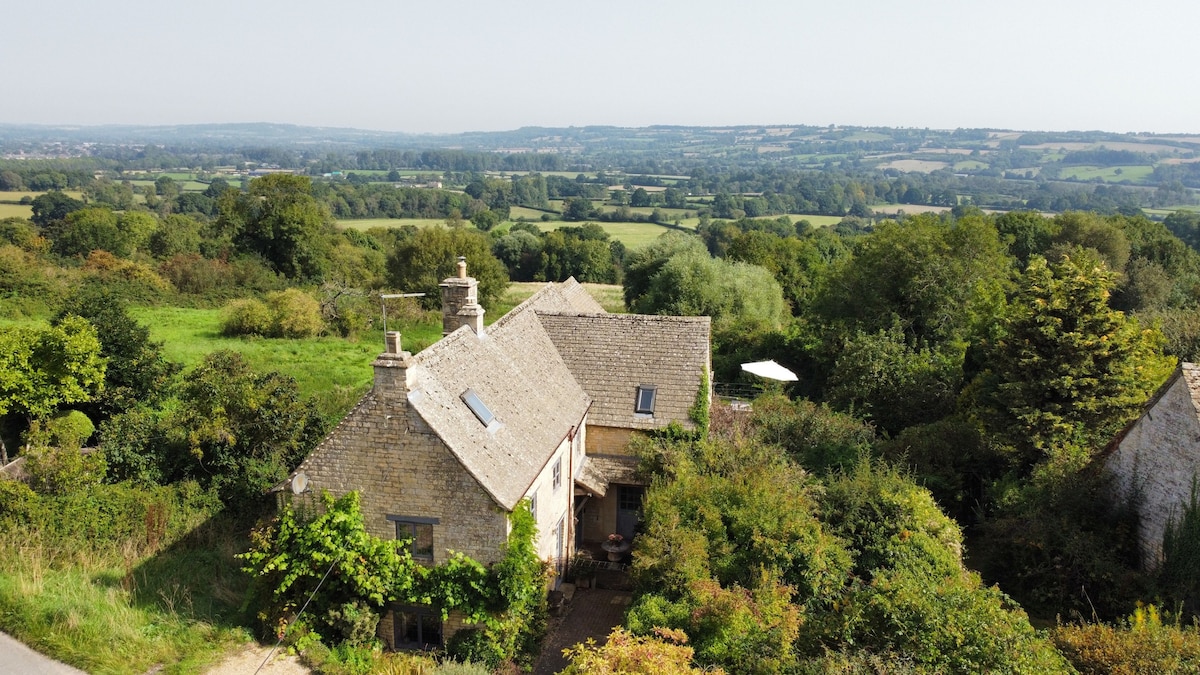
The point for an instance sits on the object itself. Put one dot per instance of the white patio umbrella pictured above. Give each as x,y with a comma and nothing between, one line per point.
770,370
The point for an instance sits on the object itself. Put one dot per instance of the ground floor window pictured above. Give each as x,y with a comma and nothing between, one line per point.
417,628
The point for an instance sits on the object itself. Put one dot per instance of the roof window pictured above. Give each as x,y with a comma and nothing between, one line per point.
476,405
645,399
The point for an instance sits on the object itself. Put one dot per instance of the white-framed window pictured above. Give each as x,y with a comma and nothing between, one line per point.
533,504
556,473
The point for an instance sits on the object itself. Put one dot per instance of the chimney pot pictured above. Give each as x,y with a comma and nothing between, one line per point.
391,342
462,267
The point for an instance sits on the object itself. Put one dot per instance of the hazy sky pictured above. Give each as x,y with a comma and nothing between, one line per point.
448,66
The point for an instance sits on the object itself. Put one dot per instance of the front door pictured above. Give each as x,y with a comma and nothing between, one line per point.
629,509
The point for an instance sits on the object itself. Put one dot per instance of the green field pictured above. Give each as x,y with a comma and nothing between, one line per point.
970,165
333,370
368,223
1107,174
17,195
518,212
15,211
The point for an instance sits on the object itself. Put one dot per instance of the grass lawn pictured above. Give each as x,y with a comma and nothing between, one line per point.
16,195
516,212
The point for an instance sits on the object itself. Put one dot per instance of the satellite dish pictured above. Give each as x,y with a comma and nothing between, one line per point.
299,483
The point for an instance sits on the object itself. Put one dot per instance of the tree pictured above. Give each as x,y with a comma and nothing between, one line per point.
52,206
42,369
941,281
279,220
1066,371
577,208
235,429
732,293
137,372
87,230
421,261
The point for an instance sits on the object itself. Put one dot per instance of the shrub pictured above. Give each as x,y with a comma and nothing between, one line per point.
245,317
665,653
1142,643
294,314
70,429
285,314
61,471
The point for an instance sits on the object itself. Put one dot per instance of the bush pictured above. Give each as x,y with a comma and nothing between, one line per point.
294,314
245,317
286,314
62,471
69,430
1140,644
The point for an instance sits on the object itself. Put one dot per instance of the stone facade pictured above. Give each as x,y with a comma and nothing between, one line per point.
608,440
402,469
1155,459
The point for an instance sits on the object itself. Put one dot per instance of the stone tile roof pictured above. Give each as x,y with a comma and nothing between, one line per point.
612,354
520,377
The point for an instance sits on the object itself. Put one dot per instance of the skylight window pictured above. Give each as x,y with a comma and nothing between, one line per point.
645,399
476,405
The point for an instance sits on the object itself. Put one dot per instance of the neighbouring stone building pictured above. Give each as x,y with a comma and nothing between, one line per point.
540,406
1156,458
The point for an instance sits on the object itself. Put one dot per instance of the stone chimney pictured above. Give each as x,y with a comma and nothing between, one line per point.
391,368
460,304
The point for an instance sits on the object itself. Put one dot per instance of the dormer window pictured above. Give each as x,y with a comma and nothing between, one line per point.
476,405
645,399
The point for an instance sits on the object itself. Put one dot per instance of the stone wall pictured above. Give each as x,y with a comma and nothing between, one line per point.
608,440
388,453
1156,459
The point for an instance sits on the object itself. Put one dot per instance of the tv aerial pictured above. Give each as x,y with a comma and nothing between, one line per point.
384,297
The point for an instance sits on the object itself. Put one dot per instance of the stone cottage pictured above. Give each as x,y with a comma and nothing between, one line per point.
540,405
1155,459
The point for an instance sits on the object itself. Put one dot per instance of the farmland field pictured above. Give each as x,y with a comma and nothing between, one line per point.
17,195
919,165
15,211
368,223
1107,174
334,370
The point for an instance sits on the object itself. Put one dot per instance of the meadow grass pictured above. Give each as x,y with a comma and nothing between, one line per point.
1107,174
368,223
336,372
16,195
517,212
610,296
16,211
104,610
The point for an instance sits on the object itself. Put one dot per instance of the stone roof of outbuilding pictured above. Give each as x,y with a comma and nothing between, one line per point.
612,354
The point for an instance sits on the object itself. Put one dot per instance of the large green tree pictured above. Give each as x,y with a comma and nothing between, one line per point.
137,371
279,219
1066,371
421,261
